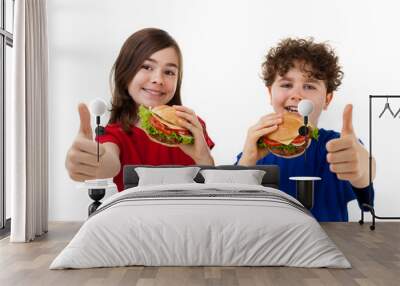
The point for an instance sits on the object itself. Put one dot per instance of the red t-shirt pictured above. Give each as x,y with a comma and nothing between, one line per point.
136,148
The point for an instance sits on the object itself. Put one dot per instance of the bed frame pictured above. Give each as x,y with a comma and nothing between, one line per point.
270,179
131,178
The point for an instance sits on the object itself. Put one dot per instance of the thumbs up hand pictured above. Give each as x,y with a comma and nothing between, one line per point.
81,161
346,156
85,129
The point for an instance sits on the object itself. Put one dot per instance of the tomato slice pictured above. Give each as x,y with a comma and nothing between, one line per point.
158,125
271,142
165,129
299,139
182,132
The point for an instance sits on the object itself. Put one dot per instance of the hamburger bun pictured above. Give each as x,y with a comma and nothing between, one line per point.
300,151
288,129
286,141
167,114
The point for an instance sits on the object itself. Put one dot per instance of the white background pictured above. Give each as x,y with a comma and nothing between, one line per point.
223,44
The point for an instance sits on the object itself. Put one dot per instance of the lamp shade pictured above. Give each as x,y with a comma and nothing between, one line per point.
305,107
98,107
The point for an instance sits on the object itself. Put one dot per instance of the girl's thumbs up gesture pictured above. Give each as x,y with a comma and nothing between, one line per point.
81,161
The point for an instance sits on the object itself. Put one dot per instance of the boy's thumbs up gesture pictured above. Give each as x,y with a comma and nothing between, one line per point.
346,156
81,161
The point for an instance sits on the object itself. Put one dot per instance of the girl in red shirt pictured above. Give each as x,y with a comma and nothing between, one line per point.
148,71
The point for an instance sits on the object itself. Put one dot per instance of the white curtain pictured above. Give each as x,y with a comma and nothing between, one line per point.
28,115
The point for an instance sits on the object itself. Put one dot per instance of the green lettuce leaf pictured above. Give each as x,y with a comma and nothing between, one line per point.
289,148
314,134
261,144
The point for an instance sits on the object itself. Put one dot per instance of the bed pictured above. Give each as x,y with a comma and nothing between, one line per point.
204,216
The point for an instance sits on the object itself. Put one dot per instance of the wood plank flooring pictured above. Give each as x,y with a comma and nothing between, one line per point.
374,255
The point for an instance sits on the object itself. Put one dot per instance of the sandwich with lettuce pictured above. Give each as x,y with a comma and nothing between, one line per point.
161,124
286,141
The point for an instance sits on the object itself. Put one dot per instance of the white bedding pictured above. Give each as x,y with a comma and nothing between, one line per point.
224,225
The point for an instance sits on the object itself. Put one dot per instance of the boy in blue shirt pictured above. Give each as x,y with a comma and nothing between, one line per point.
301,69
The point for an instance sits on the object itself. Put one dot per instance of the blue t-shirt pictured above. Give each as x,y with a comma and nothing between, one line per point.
331,195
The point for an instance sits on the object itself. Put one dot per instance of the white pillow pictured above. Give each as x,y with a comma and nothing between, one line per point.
162,176
248,177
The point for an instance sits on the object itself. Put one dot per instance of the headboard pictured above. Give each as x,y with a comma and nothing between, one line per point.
270,179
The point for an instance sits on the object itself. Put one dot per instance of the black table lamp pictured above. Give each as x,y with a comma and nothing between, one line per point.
97,188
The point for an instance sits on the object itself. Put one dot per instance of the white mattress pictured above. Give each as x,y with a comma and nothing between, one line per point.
198,226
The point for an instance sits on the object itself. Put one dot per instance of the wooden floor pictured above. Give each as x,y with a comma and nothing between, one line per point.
374,255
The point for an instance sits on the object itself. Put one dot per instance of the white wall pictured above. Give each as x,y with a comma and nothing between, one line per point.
223,43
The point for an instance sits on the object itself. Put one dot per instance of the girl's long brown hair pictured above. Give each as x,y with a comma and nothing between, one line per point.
136,49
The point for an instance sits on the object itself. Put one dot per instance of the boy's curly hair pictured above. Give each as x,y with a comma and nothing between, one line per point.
318,57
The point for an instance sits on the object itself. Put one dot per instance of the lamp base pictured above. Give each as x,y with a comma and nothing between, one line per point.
305,190
96,195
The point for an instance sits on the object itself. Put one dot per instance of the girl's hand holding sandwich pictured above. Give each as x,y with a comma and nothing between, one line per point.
199,151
